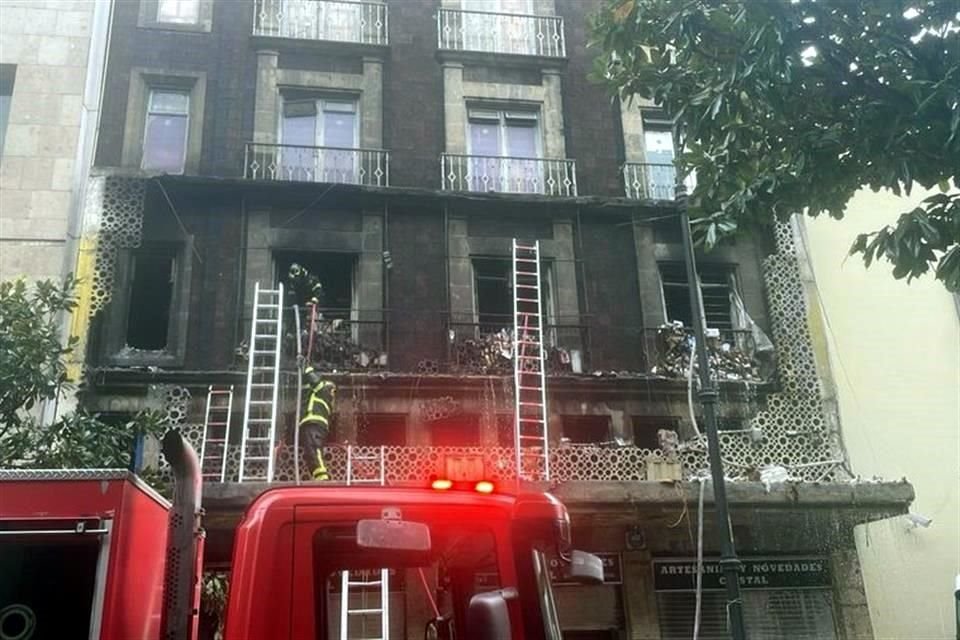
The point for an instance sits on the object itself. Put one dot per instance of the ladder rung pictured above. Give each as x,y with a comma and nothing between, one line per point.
519,259
361,583
522,388
257,439
528,437
260,402
215,440
536,420
523,357
256,458
268,420
527,286
530,404
261,384
364,612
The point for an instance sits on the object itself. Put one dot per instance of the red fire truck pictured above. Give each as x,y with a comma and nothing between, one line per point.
100,555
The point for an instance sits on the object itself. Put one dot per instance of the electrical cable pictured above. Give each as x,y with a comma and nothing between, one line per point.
306,208
296,415
693,419
173,210
699,600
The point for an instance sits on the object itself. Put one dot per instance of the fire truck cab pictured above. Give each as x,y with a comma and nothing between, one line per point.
94,554
481,561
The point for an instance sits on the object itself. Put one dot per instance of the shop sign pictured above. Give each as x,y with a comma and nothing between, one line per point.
612,573
680,574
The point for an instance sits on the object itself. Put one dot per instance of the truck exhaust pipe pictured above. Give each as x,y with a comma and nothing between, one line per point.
182,574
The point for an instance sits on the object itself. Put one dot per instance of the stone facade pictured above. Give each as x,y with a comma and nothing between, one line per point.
47,44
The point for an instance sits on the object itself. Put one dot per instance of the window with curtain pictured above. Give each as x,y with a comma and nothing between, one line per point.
178,11
505,145
320,137
165,133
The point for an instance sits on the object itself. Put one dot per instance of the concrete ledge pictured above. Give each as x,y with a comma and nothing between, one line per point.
880,497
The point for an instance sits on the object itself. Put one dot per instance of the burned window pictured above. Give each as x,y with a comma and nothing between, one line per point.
587,429
333,271
716,282
153,274
645,429
389,430
493,290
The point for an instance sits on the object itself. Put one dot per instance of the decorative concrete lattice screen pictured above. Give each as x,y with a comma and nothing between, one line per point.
794,425
113,218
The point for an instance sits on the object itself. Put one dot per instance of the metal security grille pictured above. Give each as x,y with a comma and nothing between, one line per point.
769,615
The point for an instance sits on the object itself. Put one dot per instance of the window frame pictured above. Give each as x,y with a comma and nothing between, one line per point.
150,112
548,313
8,78
149,17
114,351
732,284
501,115
179,4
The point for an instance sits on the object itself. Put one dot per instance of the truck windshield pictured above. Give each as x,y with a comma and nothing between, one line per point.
416,588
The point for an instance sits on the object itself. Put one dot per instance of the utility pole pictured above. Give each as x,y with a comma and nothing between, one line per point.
708,395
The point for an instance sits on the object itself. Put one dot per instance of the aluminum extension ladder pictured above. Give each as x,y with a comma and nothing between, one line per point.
531,441
216,433
365,580
263,383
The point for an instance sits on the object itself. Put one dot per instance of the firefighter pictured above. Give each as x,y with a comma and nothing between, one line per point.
315,424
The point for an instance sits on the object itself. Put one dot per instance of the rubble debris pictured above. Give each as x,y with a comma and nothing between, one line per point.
773,474
728,360
492,354
334,347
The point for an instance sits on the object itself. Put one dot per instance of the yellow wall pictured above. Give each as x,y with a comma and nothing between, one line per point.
895,361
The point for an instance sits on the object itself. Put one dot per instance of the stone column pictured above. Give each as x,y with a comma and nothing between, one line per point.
267,102
849,595
371,104
554,144
639,598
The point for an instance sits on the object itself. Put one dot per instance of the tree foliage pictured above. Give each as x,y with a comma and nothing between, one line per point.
787,106
32,369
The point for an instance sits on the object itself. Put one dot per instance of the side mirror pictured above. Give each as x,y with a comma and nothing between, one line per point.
585,567
488,618
398,535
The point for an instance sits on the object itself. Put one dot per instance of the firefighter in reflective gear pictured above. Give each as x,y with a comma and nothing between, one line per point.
315,424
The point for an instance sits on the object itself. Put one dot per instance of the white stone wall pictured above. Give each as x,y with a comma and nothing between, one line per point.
48,41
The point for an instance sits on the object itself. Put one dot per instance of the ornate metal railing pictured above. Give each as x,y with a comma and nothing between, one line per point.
413,464
510,33
316,164
733,353
332,20
343,339
487,347
505,174
645,180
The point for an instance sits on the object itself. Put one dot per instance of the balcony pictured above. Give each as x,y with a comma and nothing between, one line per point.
294,163
487,348
650,181
502,174
503,33
343,339
322,20
734,356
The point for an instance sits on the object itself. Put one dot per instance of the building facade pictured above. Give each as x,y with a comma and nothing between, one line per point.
889,341
395,150
50,69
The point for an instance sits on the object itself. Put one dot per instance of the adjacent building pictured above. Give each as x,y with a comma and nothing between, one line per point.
395,150
895,353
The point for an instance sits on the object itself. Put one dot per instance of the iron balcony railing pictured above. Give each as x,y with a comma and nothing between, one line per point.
504,174
733,354
297,163
509,33
343,339
651,181
330,20
486,347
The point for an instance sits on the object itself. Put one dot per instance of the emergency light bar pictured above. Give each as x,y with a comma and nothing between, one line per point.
445,484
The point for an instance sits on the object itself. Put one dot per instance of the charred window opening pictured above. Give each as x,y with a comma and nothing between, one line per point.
334,272
493,292
388,430
587,429
716,281
458,431
153,274
645,429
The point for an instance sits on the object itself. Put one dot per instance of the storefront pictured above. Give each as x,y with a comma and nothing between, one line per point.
788,597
